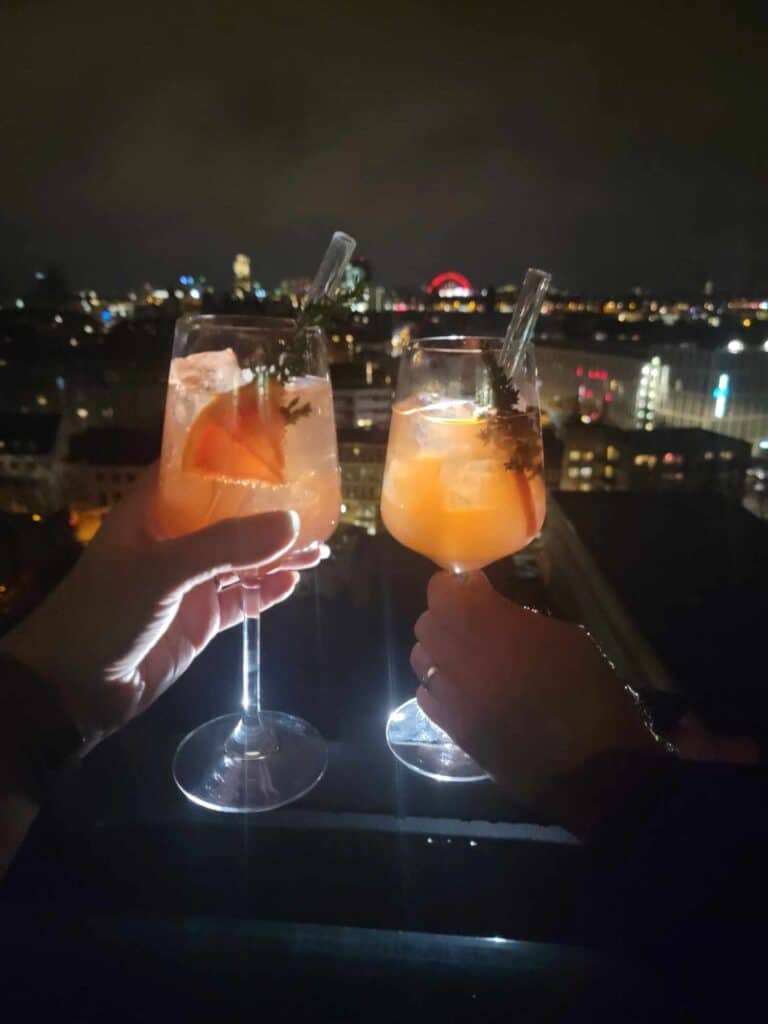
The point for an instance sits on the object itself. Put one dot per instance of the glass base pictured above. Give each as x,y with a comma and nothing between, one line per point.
225,767
425,748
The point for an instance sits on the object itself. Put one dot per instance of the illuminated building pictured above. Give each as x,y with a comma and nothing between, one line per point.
725,390
358,271
603,458
293,289
451,291
373,298
362,398
241,269
595,458
362,455
583,382
450,284
30,450
103,464
651,392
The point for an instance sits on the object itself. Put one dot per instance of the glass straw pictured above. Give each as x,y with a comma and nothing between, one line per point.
524,317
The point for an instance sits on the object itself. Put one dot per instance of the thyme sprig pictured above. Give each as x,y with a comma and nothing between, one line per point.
513,426
293,412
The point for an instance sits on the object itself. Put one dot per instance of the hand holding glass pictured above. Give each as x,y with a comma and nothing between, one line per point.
249,428
463,485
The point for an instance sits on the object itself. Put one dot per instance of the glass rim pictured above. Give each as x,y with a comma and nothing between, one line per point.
491,343
242,322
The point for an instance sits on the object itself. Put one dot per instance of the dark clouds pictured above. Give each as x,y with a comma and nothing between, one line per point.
618,146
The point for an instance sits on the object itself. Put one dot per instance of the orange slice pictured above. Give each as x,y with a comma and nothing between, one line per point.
240,435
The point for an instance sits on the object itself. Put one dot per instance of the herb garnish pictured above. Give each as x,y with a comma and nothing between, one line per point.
293,412
512,426
329,314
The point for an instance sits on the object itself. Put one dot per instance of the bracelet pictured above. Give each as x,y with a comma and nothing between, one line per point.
35,727
643,705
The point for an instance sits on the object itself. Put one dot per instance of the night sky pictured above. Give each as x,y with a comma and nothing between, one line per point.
615,147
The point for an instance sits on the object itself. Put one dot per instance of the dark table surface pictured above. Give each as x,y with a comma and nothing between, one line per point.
381,872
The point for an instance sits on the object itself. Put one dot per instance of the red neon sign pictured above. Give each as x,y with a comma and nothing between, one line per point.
449,277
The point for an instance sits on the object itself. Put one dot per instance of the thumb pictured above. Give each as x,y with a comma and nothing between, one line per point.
226,546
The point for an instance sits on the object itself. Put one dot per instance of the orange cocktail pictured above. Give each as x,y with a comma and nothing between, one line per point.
463,485
236,443
448,492
249,429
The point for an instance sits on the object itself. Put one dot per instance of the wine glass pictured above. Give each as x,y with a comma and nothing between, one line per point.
249,428
463,484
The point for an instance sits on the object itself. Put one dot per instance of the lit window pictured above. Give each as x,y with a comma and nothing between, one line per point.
73,342
573,472
648,461
588,456
574,455
708,456
365,422
609,472
585,487
726,456
82,413
672,459
612,453
586,471
42,400
348,337
735,346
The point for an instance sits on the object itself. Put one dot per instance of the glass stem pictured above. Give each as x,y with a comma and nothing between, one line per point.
252,738
251,658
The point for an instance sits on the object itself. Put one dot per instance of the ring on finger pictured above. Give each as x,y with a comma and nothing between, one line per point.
431,671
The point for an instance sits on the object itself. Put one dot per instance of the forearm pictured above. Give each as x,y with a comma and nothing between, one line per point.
37,739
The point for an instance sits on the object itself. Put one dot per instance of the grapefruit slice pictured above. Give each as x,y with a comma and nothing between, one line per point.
240,435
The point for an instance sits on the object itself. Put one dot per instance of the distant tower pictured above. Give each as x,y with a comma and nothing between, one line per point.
358,271
709,289
242,271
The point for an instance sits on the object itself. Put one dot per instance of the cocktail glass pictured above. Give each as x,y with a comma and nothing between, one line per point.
463,484
249,428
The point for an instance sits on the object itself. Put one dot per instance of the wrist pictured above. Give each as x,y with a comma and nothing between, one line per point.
45,645
38,737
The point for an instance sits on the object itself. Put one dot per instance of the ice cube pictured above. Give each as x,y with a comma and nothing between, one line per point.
468,484
207,371
396,480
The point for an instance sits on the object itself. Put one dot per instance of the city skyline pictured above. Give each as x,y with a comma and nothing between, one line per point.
271,283
614,149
